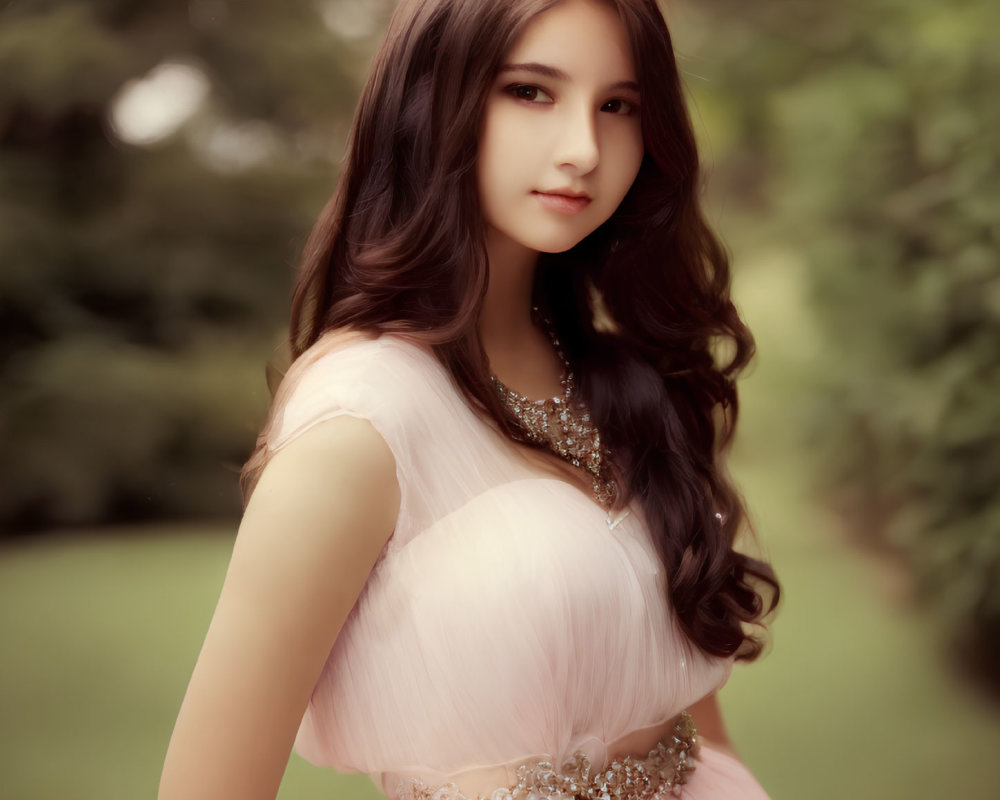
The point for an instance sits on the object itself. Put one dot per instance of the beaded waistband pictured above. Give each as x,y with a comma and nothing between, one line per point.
664,771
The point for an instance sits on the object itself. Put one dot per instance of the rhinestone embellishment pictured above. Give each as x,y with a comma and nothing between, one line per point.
563,425
664,771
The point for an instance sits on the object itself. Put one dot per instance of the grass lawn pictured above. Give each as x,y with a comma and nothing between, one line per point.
101,631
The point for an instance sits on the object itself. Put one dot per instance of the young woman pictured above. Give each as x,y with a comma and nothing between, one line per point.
488,547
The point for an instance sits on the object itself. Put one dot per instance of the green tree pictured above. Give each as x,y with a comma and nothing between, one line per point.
864,138
144,277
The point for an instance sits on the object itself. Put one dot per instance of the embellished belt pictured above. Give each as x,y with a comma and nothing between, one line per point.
665,770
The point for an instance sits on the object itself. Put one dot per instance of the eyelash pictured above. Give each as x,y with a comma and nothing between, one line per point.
631,108
516,90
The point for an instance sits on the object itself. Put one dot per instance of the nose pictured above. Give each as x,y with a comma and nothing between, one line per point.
578,150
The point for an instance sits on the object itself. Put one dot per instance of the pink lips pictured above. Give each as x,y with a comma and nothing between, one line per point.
563,203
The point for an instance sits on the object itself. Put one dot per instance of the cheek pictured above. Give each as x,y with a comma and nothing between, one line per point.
489,178
501,157
624,158
502,135
632,155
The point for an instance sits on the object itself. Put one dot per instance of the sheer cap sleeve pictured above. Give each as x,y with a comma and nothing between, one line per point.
382,380
331,379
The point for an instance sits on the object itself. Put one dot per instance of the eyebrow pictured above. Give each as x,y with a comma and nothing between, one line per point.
556,74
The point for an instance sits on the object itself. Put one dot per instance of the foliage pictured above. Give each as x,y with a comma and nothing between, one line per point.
141,286
866,143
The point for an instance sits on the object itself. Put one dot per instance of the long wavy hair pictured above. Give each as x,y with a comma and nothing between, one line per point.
642,305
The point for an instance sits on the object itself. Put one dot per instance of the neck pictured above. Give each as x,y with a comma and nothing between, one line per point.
505,324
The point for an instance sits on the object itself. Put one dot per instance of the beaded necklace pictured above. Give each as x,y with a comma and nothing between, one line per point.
563,425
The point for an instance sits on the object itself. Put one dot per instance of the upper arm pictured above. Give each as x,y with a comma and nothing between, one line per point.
322,511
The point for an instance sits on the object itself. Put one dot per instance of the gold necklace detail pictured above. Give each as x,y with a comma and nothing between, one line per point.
563,425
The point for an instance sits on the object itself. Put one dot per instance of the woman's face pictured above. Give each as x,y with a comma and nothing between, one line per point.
561,141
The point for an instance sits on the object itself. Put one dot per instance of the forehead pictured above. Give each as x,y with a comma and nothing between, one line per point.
583,38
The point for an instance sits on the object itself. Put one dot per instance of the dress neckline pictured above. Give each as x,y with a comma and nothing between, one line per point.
541,464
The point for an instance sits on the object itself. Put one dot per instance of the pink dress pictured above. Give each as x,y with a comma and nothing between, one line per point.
508,618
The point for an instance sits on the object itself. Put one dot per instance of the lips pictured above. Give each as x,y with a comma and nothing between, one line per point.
563,201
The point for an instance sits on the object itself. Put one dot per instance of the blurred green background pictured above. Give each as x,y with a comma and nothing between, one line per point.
160,165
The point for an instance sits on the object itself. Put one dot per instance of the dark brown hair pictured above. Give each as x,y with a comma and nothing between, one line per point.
400,249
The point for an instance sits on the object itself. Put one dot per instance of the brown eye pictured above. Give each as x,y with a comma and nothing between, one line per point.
618,107
529,93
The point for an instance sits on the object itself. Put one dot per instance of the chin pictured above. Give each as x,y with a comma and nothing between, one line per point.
557,250
556,244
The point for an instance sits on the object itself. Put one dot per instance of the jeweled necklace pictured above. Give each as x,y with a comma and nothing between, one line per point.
563,425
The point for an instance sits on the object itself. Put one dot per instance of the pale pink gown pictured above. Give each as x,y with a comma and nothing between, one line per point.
507,619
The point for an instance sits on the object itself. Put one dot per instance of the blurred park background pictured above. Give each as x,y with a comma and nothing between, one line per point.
160,166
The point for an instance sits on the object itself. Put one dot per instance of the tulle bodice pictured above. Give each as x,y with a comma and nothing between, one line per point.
507,618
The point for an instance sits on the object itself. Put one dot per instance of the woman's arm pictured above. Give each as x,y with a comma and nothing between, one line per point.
323,509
